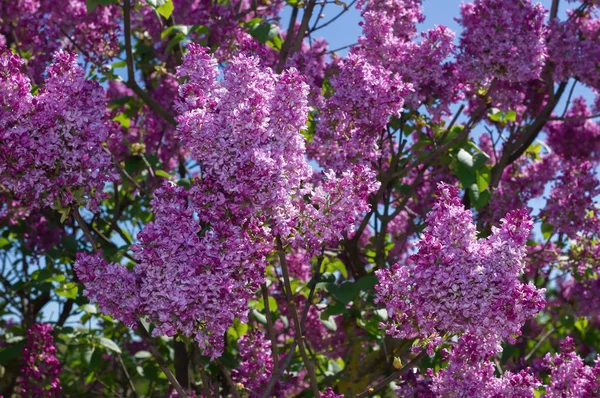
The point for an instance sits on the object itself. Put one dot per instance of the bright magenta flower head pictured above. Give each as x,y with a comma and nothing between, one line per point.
51,150
457,283
502,40
39,374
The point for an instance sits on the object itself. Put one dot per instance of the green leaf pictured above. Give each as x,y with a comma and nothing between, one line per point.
264,32
366,282
482,199
184,29
10,352
143,354
495,115
89,308
120,64
166,9
237,330
88,352
547,230
483,177
68,290
581,325
174,42
123,120
336,308
4,242
344,293
330,323
335,264
479,160
510,116
259,317
109,344
162,173
465,158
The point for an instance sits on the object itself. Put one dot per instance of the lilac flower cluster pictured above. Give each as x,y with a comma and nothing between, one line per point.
335,205
39,374
569,376
256,366
256,362
574,48
353,118
390,22
329,393
204,255
502,40
459,283
51,150
470,373
112,286
577,138
389,40
258,116
41,27
571,208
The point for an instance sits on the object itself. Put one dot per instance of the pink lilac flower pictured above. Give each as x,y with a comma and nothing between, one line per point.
389,31
256,366
578,138
112,286
470,373
52,154
571,206
414,384
39,374
259,116
354,116
329,393
198,267
203,256
335,205
458,283
502,40
40,28
570,377
388,22
573,47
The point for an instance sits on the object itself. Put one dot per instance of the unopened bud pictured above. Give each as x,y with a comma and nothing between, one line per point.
397,363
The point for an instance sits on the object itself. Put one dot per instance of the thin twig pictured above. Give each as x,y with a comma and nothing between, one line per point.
303,30
575,119
539,343
131,82
271,330
84,227
275,376
234,389
314,29
127,376
569,99
289,39
160,360
393,376
299,336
